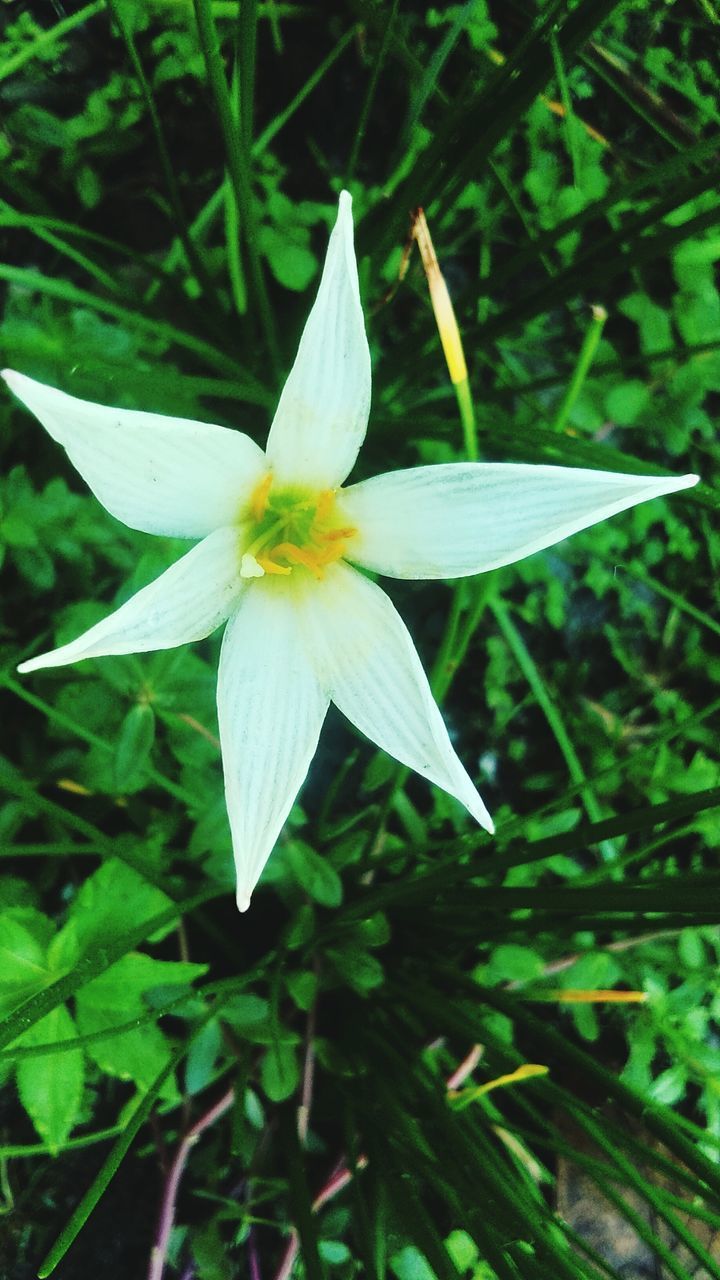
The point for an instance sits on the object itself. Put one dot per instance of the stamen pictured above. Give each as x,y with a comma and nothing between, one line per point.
299,555
269,566
324,505
259,499
266,537
335,535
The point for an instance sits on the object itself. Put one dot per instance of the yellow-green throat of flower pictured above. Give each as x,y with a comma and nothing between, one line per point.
292,528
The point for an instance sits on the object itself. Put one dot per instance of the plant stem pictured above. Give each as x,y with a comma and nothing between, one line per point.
588,349
339,1178
158,1256
467,417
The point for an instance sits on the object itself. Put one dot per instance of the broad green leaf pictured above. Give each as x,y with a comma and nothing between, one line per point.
292,263
23,967
51,1086
114,900
138,1055
123,985
115,997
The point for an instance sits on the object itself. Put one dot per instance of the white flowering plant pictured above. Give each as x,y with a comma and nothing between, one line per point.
431,691
281,542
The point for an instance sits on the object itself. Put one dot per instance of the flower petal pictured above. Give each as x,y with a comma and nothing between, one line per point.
163,475
457,519
322,416
270,708
188,601
366,658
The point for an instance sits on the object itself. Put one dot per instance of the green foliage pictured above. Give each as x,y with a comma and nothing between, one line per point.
169,172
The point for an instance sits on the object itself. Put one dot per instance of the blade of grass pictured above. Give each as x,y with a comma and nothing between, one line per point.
596,269
658,1119
569,121
192,254
646,1189
366,108
675,188
522,656
449,869
213,206
459,148
103,1179
74,296
237,149
262,142
46,39
698,615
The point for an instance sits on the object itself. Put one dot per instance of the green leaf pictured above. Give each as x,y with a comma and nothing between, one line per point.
209,1253
202,1057
359,970
138,1055
691,949
317,877
410,1264
462,1249
134,745
291,262
300,929
114,900
125,983
118,995
245,1011
279,1072
670,1085
23,968
513,963
302,987
51,1088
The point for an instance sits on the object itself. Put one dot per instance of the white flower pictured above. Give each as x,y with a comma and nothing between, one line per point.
282,545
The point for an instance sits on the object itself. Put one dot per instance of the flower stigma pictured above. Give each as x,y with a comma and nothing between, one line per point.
292,528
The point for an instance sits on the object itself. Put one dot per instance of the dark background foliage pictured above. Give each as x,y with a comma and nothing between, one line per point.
169,172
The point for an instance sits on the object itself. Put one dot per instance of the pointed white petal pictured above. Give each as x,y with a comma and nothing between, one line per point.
322,416
161,475
457,519
365,656
188,601
270,708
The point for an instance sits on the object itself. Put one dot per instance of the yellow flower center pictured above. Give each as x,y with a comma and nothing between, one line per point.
292,528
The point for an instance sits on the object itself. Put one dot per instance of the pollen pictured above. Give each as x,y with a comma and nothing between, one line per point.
288,530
